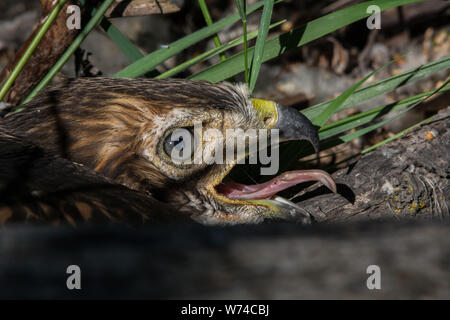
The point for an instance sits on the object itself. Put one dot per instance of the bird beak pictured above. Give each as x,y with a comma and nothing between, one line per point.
292,124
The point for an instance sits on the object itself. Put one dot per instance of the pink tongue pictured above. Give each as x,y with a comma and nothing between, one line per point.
267,189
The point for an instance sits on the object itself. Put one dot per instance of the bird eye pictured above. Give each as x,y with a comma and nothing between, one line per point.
179,145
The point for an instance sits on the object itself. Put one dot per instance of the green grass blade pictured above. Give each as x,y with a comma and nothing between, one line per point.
208,20
260,42
30,49
370,115
323,117
296,38
125,45
211,53
242,9
381,87
358,133
71,49
379,144
149,62
244,32
429,94
440,89
353,135
396,136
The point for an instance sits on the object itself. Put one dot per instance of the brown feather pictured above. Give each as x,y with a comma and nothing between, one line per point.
98,121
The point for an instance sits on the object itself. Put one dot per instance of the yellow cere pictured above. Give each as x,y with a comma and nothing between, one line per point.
267,111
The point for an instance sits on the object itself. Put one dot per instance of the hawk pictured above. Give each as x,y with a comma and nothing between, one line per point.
99,149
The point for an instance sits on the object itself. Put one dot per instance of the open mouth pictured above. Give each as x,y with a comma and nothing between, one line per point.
269,189
291,125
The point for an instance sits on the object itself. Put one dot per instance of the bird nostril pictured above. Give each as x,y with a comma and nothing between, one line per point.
267,120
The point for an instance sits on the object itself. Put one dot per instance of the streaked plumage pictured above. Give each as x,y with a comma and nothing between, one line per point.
116,128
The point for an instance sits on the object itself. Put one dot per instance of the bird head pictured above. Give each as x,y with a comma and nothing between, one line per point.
172,139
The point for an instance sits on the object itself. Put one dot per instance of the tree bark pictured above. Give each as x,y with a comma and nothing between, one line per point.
406,178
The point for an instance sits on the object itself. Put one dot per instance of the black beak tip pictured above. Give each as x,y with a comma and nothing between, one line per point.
293,125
